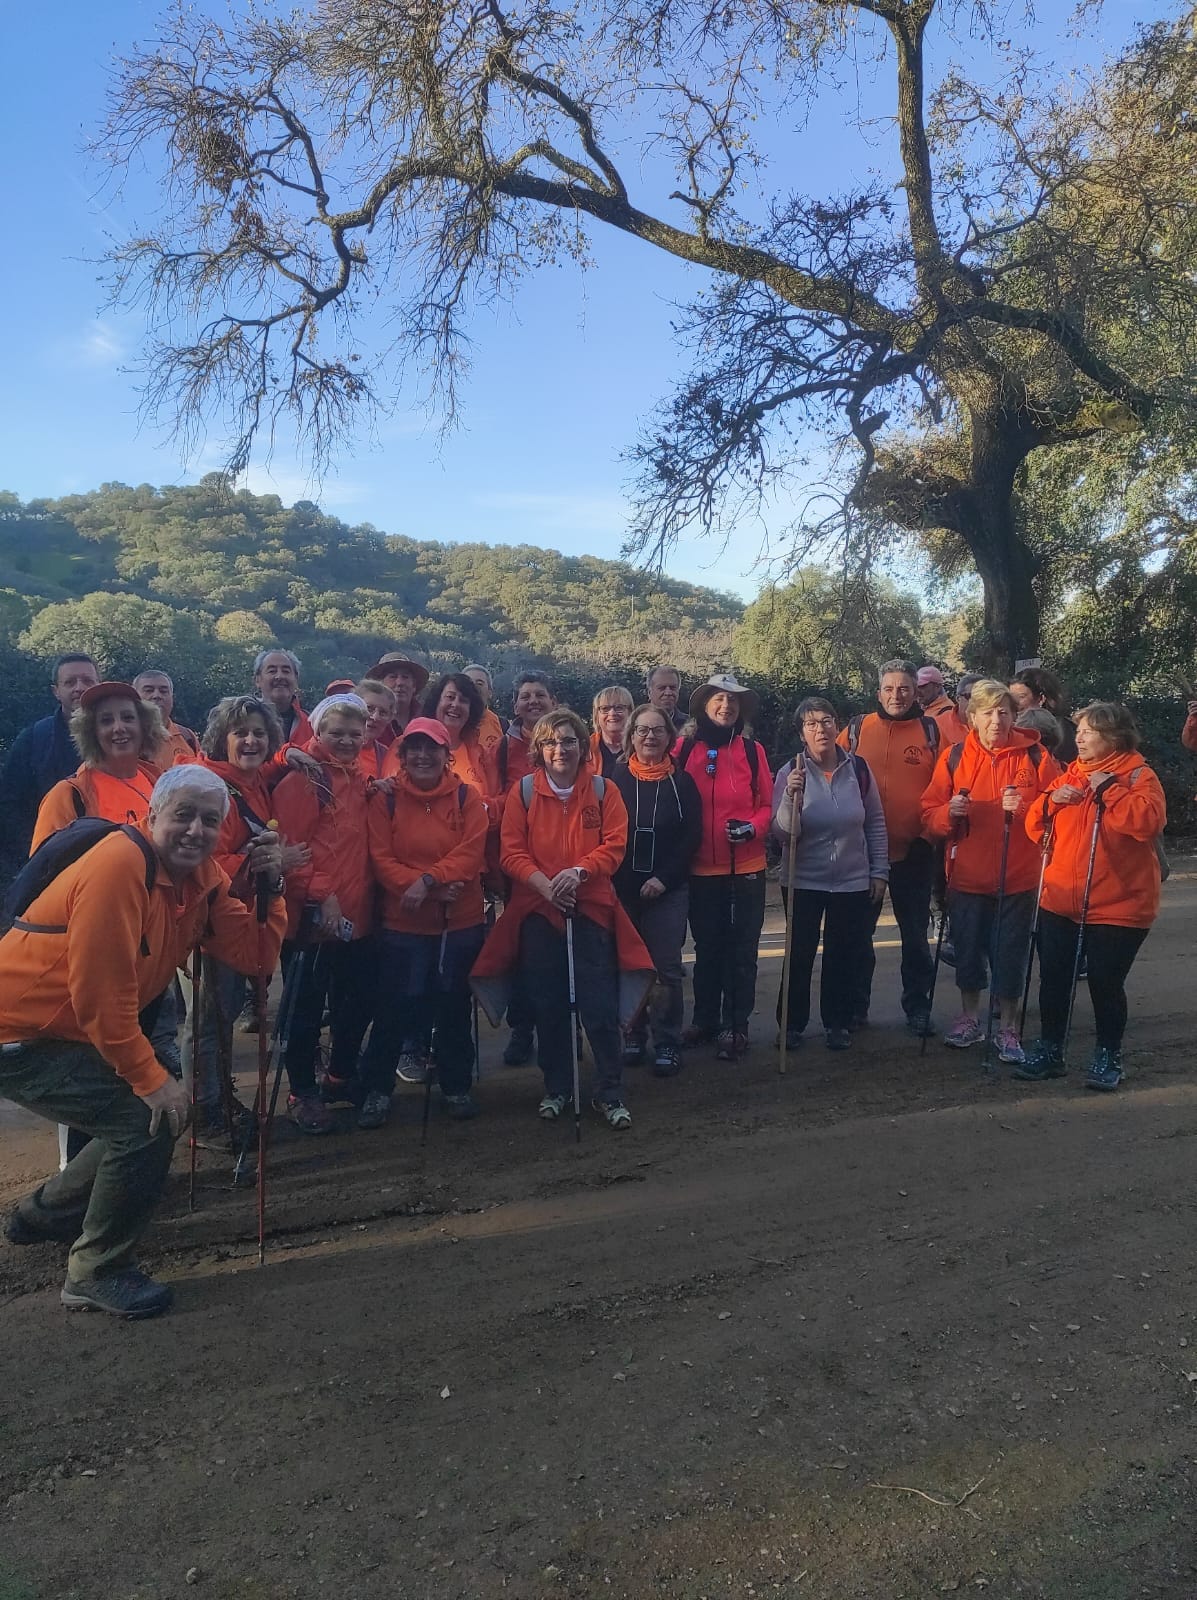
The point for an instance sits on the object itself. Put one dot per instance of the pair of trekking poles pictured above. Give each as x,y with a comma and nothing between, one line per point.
1045,851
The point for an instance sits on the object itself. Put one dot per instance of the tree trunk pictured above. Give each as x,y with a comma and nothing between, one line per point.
1007,570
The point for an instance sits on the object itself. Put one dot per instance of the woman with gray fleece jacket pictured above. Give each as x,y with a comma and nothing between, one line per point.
827,799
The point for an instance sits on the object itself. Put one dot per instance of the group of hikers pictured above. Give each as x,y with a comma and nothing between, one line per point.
412,856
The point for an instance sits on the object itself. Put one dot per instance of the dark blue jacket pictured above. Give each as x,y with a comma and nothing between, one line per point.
41,756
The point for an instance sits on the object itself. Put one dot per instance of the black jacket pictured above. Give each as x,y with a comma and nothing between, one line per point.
41,756
672,809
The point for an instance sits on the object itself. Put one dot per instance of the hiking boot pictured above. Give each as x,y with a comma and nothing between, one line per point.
412,1068
920,1024
519,1048
30,1222
338,1092
614,1113
668,1061
1043,1059
635,1053
731,1045
551,1107
123,1294
1009,1046
375,1109
1105,1070
309,1113
793,1038
838,1039
964,1031
696,1034
461,1107
212,1129
247,1020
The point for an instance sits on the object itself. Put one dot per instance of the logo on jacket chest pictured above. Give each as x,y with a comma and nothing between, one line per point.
914,755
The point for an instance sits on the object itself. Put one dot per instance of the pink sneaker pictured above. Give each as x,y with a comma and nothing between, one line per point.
1010,1046
963,1032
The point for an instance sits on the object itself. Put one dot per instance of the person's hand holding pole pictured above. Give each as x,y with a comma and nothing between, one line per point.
1011,799
958,806
1098,781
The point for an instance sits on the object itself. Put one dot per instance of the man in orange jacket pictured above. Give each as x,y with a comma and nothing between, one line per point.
81,971
157,688
901,745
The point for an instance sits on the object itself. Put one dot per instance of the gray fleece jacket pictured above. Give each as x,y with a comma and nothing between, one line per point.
841,840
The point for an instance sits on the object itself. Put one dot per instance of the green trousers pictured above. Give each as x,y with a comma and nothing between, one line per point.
114,1183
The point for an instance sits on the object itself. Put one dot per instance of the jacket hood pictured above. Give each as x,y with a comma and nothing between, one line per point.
449,784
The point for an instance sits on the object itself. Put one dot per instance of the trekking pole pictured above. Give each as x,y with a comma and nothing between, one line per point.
573,1024
196,960
996,942
276,1054
1045,851
787,947
1080,932
731,946
262,903
959,829
440,975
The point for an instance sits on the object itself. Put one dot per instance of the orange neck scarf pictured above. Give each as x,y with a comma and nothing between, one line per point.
654,773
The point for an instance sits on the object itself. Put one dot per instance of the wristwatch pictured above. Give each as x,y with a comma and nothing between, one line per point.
428,880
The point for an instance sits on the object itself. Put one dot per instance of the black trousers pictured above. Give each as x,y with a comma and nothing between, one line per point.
726,917
340,974
1110,952
910,896
544,970
846,922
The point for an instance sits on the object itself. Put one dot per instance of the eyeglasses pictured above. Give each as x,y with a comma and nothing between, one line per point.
642,732
712,758
818,722
558,744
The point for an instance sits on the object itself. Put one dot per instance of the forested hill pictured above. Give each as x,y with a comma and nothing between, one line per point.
199,577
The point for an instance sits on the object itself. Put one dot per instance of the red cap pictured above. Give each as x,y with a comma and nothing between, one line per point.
430,728
112,690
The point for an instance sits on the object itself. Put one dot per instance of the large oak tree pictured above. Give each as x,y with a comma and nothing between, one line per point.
1001,297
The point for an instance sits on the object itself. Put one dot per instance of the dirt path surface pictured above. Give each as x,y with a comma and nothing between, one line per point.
715,1356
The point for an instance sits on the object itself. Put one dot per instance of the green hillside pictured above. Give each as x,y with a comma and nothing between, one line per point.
200,577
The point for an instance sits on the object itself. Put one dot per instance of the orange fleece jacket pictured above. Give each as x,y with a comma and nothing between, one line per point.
119,952
986,775
552,834
1126,870
901,762
115,799
337,835
434,831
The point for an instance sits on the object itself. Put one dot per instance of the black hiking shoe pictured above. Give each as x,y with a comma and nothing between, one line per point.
921,1024
668,1061
1044,1059
1105,1070
30,1222
212,1130
127,1294
838,1039
519,1048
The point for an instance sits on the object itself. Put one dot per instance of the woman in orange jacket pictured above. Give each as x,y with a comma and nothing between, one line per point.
1108,806
330,910
455,703
427,846
978,797
564,834
118,735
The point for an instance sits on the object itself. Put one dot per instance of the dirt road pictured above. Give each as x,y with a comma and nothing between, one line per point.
875,1329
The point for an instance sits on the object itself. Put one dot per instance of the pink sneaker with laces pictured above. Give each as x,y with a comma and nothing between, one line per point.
963,1032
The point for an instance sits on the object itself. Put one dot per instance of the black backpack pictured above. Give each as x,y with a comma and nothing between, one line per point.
58,852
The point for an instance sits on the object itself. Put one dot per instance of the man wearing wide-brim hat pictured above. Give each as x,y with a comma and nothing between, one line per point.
727,874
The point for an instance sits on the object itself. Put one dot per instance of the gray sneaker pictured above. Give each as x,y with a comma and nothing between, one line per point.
129,1294
412,1068
375,1110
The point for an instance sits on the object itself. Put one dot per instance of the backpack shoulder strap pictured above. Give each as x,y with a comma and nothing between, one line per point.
854,725
462,789
1035,755
77,800
753,751
864,778
931,734
954,755
504,759
147,851
685,751
600,787
526,790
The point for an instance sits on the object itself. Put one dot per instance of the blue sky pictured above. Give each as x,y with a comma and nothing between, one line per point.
559,382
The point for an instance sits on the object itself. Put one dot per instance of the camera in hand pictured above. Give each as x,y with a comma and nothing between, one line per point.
738,832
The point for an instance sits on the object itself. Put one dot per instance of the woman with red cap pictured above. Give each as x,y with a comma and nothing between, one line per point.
330,907
427,844
727,874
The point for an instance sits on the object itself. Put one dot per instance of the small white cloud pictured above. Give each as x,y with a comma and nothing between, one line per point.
101,345
573,513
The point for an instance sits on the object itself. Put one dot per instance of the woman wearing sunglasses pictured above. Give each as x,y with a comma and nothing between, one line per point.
727,871
826,803
664,830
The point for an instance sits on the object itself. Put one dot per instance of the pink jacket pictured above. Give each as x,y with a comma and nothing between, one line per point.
729,793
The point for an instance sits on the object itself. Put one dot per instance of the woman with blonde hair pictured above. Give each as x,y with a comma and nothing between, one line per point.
117,734
609,715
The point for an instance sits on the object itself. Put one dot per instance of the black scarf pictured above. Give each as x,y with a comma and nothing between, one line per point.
709,734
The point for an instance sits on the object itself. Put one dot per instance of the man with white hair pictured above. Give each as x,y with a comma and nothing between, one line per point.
81,972
276,680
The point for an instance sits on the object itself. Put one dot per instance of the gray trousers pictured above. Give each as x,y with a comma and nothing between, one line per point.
113,1185
661,924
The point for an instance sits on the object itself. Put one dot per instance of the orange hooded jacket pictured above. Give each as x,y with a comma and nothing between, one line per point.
901,761
1126,871
118,950
329,815
986,774
92,793
441,832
